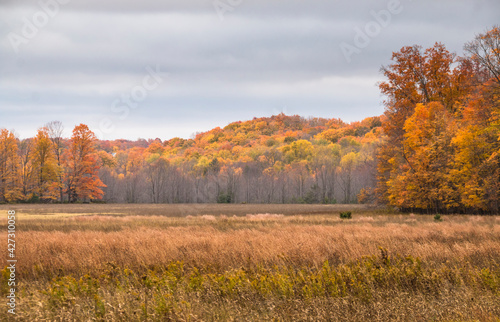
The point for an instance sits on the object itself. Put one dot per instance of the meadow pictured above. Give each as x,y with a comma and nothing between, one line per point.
251,262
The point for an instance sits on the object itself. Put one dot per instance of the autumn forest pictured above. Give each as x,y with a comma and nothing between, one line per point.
435,149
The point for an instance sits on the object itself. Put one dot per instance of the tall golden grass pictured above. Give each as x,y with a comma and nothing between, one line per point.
260,265
230,242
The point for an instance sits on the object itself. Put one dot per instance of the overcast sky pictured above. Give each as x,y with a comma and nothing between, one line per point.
153,68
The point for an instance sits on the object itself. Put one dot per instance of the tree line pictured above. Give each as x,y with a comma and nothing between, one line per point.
48,167
279,159
436,148
441,146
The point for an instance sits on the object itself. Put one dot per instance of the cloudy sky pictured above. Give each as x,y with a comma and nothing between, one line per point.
154,68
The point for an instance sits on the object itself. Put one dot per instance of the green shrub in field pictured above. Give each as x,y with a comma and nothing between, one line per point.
437,217
346,215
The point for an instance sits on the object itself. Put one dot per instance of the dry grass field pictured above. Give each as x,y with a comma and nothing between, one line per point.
179,210
251,262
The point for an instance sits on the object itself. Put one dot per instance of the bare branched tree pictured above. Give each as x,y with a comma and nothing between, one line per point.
485,49
55,130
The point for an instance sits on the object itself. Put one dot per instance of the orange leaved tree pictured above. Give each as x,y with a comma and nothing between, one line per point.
415,77
45,171
10,188
82,166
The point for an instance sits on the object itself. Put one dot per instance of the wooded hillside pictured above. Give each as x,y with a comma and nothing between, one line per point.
278,159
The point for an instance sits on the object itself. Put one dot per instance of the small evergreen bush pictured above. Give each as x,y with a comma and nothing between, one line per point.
345,215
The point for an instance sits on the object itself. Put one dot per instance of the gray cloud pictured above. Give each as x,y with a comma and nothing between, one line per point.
263,58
